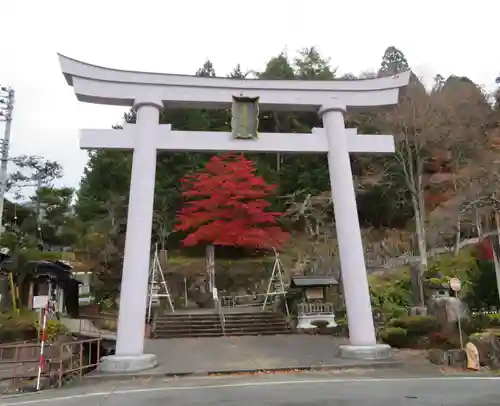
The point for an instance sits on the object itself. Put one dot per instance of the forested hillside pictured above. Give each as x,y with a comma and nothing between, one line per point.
439,188
444,138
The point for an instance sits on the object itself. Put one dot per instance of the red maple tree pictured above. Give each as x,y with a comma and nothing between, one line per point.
226,205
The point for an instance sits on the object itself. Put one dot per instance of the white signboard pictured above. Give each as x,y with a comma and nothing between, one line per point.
39,302
215,294
455,284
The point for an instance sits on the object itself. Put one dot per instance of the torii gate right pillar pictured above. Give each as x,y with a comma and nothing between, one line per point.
363,344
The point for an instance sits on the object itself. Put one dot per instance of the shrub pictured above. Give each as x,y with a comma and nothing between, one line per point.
342,323
13,333
18,328
481,287
416,325
476,323
390,296
494,320
396,311
394,336
25,327
53,330
450,265
444,340
399,322
342,328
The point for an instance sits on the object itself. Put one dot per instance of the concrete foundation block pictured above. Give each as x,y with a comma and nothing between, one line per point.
127,363
366,352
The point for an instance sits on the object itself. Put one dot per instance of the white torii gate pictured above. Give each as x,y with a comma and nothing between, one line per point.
149,93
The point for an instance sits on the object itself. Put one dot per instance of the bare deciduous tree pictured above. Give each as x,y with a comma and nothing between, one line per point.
414,122
463,138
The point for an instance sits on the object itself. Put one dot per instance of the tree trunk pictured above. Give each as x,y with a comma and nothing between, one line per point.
420,230
420,223
495,251
414,179
416,285
459,223
422,253
457,237
478,225
422,246
210,263
421,210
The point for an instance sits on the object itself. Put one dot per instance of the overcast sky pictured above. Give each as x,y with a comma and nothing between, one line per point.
176,36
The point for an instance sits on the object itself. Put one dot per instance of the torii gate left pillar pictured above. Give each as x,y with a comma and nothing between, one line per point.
134,287
148,93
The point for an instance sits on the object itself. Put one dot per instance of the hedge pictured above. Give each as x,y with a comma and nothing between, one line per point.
416,326
394,336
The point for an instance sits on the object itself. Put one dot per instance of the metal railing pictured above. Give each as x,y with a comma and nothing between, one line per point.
220,312
15,350
19,363
74,362
255,300
62,362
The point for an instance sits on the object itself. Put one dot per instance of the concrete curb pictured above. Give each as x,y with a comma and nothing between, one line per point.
228,372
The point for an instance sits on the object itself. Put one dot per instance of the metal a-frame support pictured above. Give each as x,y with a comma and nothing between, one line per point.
157,281
276,286
210,265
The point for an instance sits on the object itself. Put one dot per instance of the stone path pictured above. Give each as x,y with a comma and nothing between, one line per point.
185,356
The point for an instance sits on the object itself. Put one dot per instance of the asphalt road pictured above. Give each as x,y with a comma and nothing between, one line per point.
278,390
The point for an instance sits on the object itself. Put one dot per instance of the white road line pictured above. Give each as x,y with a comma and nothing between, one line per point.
246,385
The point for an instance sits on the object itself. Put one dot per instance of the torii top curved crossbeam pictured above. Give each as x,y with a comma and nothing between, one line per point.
96,84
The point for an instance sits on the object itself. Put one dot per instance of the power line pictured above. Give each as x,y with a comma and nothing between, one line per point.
7,96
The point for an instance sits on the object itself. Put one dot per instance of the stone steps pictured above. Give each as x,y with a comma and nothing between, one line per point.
203,324
208,325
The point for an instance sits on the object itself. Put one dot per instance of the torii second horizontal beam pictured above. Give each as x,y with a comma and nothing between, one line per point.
208,141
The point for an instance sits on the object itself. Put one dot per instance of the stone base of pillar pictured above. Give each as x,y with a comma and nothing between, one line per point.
366,352
127,363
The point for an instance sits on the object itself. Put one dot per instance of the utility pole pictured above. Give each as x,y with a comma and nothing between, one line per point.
7,96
